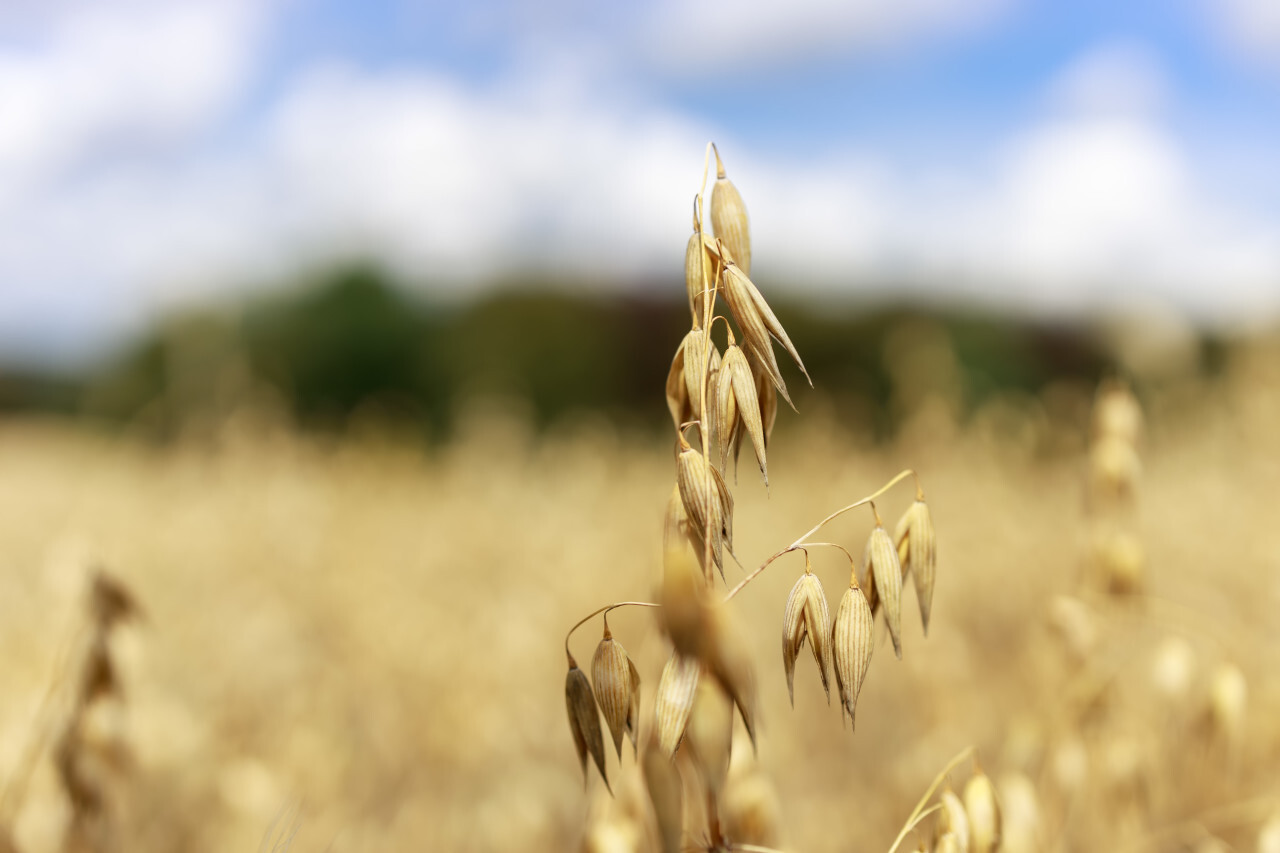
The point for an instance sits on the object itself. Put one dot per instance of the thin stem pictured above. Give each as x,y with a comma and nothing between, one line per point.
595,613
831,545
800,541
916,816
913,824
756,573
729,339
680,432
697,230
898,478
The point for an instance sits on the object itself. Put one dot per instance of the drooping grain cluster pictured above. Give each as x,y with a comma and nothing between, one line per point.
717,400
1119,560
1148,691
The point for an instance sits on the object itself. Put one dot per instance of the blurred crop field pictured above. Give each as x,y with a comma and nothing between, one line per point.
354,643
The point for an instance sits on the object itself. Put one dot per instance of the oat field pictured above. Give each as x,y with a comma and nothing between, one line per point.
354,644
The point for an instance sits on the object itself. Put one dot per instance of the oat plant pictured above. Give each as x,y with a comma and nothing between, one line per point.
723,391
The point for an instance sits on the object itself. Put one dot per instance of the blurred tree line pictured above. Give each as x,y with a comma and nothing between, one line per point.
351,343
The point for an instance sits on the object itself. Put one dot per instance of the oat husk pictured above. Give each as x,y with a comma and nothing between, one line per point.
918,552
852,643
674,700
707,502
739,293
806,617
709,733
677,393
729,217
697,350
584,721
886,575
953,821
983,811
666,794
611,675
737,370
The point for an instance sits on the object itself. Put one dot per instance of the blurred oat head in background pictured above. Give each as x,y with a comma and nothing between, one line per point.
1022,154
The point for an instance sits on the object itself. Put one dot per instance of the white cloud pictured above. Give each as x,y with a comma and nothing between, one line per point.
100,79
732,34
1118,78
454,184
1251,27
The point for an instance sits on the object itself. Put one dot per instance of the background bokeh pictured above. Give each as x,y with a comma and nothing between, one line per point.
337,333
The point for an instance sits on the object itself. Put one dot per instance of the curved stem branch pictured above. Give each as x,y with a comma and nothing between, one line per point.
832,545
728,332
898,478
912,824
594,613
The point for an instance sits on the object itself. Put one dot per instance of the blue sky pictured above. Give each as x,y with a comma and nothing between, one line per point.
1055,158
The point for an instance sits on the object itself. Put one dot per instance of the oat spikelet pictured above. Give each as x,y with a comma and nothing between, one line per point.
674,700
983,810
677,395
953,821
584,721
695,367
852,642
707,502
774,325
682,596
725,654
867,583
1021,826
918,551
633,713
947,843
666,793
710,732
737,370
702,627
767,394
693,278
740,293
737,292
729,217
1228,698
676,530
806,617
725,418
886,574
611,675
1117,413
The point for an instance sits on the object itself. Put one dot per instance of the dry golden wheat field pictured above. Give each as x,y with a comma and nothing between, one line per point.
355,644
